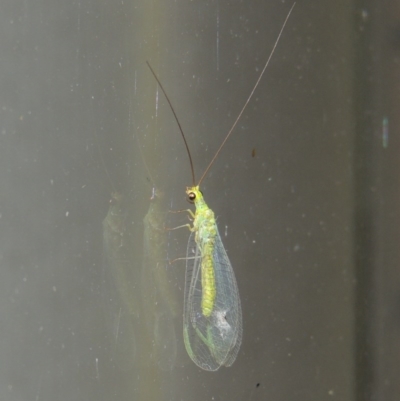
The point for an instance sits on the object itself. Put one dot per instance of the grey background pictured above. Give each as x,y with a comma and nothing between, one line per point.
306,189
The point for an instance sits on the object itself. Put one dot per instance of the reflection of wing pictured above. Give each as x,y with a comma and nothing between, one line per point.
117,241
159,301
120,321
118,286
123,340
215,340
155,259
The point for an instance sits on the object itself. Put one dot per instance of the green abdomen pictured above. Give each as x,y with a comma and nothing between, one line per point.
208,279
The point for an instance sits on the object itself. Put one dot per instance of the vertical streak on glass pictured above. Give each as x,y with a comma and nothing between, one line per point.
135,83
217,35
385,132
157,103
364,215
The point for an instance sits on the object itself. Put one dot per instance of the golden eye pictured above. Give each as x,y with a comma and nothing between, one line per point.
191,197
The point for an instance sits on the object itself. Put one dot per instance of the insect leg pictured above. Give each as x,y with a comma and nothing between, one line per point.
181,211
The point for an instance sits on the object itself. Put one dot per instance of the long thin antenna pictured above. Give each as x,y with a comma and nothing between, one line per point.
176,118
248,99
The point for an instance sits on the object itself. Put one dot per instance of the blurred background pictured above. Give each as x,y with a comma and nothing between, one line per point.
306,195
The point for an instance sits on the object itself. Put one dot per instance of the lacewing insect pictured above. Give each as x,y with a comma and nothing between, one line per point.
212,318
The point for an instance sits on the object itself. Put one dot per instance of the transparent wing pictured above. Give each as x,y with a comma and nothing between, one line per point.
215,340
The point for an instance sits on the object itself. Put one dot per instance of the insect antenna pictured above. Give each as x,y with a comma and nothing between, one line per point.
250,96
176,118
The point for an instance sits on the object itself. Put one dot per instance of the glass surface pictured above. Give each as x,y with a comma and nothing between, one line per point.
305,194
